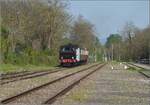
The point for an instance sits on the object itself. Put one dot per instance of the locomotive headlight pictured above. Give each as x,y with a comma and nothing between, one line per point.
72,57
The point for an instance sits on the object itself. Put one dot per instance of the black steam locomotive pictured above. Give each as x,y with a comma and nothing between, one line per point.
70,55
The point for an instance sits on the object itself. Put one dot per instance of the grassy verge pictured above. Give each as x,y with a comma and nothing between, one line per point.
4,68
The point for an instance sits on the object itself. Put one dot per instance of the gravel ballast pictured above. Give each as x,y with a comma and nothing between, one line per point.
14,88
108,86
39,96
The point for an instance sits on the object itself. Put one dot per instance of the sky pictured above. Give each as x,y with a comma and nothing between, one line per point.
110,16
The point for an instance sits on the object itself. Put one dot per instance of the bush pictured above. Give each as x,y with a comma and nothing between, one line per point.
32,57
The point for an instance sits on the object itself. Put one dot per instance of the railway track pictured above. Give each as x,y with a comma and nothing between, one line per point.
49,89
28,75
7,75
141,72
136,66
11,75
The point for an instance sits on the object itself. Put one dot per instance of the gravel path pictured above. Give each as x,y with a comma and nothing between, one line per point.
13,88
109,86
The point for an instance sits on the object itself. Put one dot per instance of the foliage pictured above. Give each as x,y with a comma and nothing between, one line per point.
112,39
132,44
83,34
138,45
33,30
12,68
113,45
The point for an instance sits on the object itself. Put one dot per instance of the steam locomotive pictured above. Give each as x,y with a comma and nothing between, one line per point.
70,55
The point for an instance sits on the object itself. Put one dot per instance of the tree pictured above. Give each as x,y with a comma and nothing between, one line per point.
135,45
128,33
113,45
83,34
142,44
33,26
33,30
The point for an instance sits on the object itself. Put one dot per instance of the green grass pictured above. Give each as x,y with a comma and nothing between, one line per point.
147,72
132,69
4,68
114,62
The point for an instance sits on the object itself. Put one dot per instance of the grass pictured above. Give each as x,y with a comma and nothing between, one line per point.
147,72
79,95
4,68
132,69
114,62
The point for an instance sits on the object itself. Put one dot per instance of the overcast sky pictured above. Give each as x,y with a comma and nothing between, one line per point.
110,16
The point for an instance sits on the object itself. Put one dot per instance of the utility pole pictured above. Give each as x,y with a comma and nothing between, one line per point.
95,57
105,56
1,58
112,53
149,52
119,52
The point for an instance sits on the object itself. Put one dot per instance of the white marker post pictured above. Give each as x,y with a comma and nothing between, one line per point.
112,67
125,67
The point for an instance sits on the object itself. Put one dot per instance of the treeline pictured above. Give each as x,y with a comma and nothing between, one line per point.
33,30
132,44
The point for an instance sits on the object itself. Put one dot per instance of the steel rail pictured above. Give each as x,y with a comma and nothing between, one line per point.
136,65
11,74
33,75
25,74
145,75
68,88
12,98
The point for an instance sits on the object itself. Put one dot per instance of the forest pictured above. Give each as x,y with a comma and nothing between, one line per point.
131,44
33,30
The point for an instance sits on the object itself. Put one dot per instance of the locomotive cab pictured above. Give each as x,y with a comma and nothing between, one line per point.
67,55
70,55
